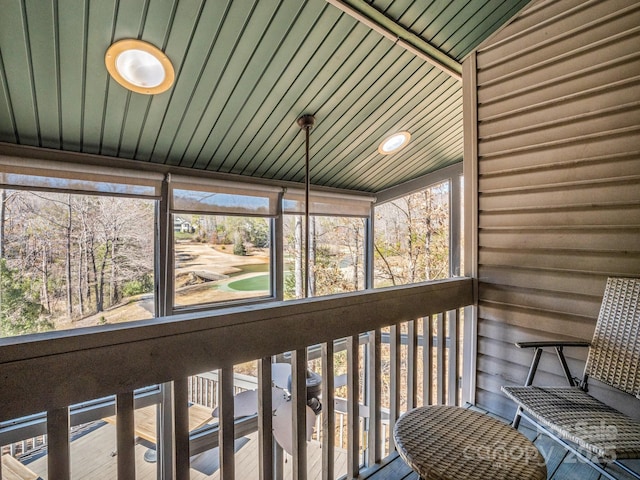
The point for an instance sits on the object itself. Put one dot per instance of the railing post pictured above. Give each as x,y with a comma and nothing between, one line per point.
328,412
58,459
394,380
181,422
125,435
265,419
299,411
353,394
440,365
427,360
226,419
452,367
165,446
375,437
412,365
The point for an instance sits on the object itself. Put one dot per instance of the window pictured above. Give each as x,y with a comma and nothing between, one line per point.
74,260
336,257
412,238
221,258
337,236
222,235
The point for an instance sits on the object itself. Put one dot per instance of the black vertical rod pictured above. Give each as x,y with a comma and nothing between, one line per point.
307,230
306,122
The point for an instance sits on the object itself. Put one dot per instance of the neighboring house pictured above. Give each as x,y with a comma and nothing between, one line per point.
182,226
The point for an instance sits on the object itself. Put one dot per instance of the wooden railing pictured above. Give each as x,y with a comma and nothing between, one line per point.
420,325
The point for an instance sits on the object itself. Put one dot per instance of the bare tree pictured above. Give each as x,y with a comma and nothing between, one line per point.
411,240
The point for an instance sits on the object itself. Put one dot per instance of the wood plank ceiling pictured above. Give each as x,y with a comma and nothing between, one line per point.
245,71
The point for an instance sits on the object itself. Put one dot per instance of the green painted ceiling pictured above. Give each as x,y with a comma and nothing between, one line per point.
245,71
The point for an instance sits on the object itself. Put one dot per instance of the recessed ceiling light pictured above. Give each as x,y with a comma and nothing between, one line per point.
139,66
394,142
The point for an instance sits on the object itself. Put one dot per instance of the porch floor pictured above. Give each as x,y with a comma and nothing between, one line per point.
93,456
561,464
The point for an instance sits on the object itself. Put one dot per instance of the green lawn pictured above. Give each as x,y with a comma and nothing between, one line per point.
259,282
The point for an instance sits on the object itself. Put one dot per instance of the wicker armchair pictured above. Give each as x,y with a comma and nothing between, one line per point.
592,430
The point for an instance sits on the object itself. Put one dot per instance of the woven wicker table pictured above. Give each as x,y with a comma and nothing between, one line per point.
453,443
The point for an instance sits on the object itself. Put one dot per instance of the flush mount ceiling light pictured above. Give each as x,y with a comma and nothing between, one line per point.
139,66
394,142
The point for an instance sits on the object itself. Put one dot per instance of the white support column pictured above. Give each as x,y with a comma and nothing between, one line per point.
369,249
470,122
277,259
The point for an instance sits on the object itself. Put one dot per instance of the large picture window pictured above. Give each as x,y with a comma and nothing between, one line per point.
412,237
222,241
74,260
221,258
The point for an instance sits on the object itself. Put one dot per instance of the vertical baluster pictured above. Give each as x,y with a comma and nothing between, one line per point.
165,465
125,435
427,360
181,422
265,419
299,411
452,368
412,365
353,403
394,407
226,434
328,412
58,458
440,366
206,392
375,438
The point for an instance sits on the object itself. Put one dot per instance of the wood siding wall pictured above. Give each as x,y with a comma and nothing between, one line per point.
558,181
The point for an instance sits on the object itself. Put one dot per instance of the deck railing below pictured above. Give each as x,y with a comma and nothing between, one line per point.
399,347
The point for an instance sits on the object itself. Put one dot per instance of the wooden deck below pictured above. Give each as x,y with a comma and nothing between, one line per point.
93,457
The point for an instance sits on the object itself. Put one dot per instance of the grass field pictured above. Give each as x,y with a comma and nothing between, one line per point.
259,282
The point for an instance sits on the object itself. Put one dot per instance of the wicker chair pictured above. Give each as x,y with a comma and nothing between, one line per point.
592,430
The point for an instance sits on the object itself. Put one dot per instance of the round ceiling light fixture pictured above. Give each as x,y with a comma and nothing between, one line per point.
394,142
139,66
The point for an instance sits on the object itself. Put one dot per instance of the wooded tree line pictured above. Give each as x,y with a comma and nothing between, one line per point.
412,238
411,244
336,255
67,256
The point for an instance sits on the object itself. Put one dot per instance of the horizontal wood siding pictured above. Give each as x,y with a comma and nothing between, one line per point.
558,180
